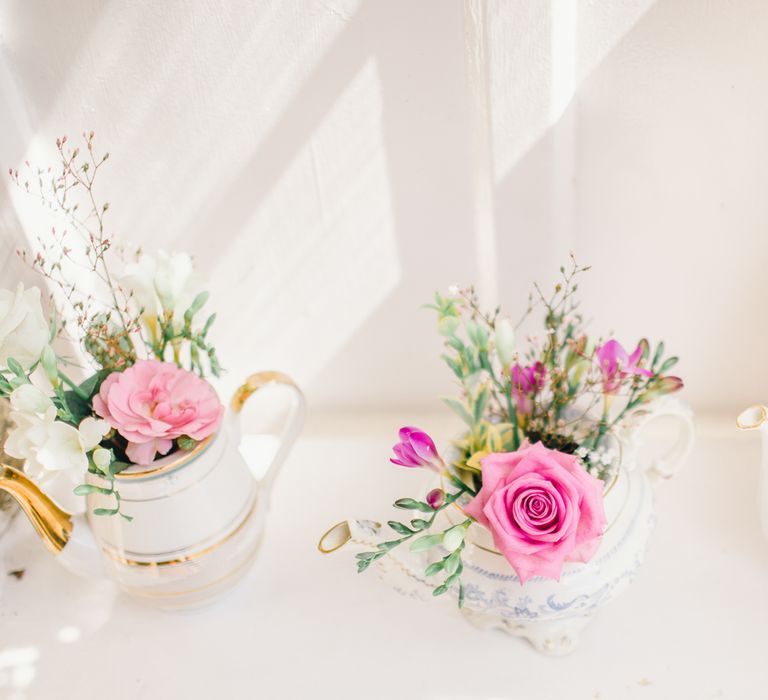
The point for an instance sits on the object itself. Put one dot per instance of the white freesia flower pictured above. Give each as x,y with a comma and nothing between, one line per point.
161,283
48,445
29,399
23,328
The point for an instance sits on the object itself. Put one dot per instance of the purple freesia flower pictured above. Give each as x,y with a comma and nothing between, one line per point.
416,449
616,364
526,381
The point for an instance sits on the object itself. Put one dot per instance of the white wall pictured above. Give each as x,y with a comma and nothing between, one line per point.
331,163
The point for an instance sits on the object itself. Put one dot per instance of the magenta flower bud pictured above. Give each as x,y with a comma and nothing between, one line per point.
435,498
416,449
660,387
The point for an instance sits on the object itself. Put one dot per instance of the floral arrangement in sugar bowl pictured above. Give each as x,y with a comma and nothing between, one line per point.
537,453
139,324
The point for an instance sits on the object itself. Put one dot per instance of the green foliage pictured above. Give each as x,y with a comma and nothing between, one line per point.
175,336
571,378
450,564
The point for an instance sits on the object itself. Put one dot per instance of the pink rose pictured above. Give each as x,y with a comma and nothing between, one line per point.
152,403
541,507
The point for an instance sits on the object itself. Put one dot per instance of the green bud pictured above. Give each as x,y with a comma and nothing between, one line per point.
48,361
186,443
454,538
423,543
197,304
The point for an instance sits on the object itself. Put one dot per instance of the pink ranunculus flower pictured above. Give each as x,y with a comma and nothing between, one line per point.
616,364
526,381
541,507
152,403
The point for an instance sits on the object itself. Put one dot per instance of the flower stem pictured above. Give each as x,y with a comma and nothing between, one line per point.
73,386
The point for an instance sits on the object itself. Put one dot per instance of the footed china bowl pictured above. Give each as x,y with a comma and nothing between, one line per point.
550,614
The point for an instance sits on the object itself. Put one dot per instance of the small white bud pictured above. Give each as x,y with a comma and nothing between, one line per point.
453,538
505,342
102,458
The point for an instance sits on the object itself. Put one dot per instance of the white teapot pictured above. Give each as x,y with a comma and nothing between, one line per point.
198,515
548,613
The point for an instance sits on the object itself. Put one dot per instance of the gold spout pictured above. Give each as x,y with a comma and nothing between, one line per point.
52,524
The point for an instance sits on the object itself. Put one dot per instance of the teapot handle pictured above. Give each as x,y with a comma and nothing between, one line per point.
668,463
292,425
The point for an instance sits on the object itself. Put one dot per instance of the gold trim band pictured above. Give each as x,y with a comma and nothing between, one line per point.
184,457
752,417
190,557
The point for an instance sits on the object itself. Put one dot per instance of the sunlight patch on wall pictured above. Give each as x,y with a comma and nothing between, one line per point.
319,254
539,54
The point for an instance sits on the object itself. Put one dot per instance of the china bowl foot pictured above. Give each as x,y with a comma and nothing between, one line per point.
550,637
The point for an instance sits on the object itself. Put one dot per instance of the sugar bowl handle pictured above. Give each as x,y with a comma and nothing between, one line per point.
667,463
292,426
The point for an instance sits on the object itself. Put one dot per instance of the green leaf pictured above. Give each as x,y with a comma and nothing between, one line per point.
91,385
658,355
434,568
481,402
16,368
362,565
459,409
461,595
399,528
5,385
419,524
668,364
477,334
454,365
426,542
196,305
116,467
78,407
366,555
455,343
85,489
105,511
440,590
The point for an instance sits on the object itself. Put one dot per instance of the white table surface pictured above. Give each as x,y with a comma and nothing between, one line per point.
301,625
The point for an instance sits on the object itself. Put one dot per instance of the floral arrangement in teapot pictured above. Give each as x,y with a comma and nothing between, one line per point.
145,394
536,456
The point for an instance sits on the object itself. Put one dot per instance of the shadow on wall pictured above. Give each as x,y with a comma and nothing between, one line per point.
403,203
